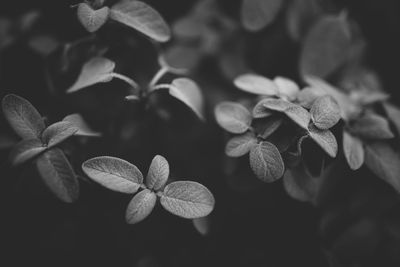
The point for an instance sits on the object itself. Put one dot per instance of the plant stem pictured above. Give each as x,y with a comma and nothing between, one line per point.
160,73
161,86
126,79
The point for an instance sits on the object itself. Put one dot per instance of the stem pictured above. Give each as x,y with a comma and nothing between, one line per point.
126,79
160,73
161,86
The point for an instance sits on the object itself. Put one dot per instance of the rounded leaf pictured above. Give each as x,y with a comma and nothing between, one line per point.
325,139
287,88
371,126
92,19
240,145
26,150
353,151
141,205
83,128
189,93
58,132
158,173
187,199
114,173
257,14
325,112
256,84
266,162
233,117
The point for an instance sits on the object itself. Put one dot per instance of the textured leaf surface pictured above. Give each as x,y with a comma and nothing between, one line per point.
353,151
141,205
189,93
142,18
83,128
266,162
187,199
325,139
114,173
325,112
256,84
96,70
240,145
257,14
58,175
92,19
25,150
233,117
58,132
158,173
23,117
371,126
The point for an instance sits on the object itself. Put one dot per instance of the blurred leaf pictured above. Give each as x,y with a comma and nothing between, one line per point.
325,139
393,113
7,141
92,19
58,132
307,96
287,88
325,112
233,117
260,112
58,175
240,145
83,128
257,14
96,70
141,205
266,162
202,225
353,151
23,117
158,173
189,93
114,173
141,17
384,162
43,44
256,84
187,199
270,126
26,150
300,186
371,126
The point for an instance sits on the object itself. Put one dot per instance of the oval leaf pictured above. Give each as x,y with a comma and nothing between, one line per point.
187,199
58,175
260,111
23,117
141,205
96,70
256,84
202,225
353,151
233,117
301,186
287,88
240,145
158,173
325,139
257,14
114,173
371,126
270,126
83,128
266,162
58,132
325,112
26,150
92,19
142,18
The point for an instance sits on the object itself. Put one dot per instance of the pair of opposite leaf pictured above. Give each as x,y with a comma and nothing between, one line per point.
135,14
314,120
186,199
40,142
101,70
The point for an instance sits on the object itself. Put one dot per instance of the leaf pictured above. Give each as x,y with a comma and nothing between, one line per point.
307,96
384,162
114,173
257,14
353,150
83,128
26,150
96,70
187,199
371,126
189,93
233,117
288,89
270,126
300,186
58,132
256,84
23,117
58,175
260,112
202,225
393,114
325,139
326,46
141,205
142,18
266,162
92,19
240,145
158,173
325,112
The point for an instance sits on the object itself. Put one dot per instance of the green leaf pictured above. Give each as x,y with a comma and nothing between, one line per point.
240,145
288,89
83,128
23,117
58,175
187,199
114,173
384,162
371,126
26,150
393,113
233,117
266,162
57,133
92,19
158,173
189,93
325,112
141,205
257,14
96,70
270,126
325,139
142,18
256,84
353,151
